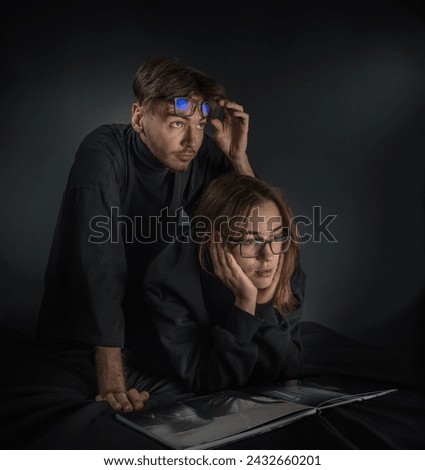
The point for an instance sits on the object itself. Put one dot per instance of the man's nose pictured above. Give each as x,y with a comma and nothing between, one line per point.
189,138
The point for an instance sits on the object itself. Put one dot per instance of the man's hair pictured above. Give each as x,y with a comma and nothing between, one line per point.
161,78
232,197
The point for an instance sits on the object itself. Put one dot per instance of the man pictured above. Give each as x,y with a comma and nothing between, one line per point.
128,182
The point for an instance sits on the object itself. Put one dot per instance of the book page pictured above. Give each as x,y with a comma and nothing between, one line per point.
319,395
202,421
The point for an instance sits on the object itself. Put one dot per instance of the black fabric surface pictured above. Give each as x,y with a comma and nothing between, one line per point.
46,402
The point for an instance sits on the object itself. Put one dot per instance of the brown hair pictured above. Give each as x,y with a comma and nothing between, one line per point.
232,196
160,78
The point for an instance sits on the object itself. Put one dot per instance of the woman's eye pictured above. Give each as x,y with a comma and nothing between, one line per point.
177,124
281,238
201,125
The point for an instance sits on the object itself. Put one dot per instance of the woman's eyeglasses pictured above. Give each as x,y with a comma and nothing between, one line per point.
253,247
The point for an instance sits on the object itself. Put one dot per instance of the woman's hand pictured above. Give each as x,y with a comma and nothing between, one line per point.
231,135
267,294
232,276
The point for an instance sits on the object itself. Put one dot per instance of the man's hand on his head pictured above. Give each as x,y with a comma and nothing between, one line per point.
231,135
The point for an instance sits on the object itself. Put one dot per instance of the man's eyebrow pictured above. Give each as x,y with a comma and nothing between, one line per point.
171,114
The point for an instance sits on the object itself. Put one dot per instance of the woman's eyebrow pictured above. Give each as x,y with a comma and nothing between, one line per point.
253,232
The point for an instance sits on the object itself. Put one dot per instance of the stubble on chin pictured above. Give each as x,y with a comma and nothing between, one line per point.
177,170
182,168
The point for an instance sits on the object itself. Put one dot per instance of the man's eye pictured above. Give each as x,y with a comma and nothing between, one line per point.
201,125
177,124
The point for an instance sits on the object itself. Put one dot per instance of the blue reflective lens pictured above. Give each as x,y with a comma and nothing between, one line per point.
206,108
182,105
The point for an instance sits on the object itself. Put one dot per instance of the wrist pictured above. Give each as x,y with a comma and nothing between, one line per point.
247,304
109,370
241,164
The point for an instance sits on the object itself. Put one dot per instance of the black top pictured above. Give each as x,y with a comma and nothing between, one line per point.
208,342
106,234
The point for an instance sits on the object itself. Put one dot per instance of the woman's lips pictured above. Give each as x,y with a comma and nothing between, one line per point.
265,272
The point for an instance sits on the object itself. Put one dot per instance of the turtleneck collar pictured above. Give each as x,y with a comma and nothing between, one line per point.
144,157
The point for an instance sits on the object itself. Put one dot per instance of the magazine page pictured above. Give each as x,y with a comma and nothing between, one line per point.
324,393
212,420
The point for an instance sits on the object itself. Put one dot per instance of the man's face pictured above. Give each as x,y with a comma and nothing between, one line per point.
173,140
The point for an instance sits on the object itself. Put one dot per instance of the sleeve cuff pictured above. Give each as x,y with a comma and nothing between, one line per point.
267,313
241,324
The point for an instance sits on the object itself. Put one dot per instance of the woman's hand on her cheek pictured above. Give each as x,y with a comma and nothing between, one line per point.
231,274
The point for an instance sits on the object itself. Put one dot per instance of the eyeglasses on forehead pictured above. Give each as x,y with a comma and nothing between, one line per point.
185,106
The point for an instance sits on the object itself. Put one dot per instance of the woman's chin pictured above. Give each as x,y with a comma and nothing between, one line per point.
264,283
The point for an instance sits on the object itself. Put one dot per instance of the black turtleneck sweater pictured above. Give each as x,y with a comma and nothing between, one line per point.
107,233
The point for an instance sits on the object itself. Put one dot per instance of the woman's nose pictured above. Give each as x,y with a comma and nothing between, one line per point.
266,252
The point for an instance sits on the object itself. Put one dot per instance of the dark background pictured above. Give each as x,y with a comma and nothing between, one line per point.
336,95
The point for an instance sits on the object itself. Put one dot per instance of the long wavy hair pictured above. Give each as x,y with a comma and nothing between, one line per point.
232,197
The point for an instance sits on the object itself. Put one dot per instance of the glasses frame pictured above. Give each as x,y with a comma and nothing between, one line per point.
263,247
199,105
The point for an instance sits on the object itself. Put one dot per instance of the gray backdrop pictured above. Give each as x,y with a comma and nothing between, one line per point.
336,97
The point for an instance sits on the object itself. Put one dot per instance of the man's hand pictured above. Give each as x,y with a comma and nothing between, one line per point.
126,400
232,276
112,384
231,135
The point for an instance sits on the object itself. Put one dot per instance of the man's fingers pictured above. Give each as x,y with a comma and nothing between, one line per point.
217,124
243,117
112,401
124,401
227,104
118,401
135,398
131,400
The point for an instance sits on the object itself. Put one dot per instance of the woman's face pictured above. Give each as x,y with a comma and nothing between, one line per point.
264,223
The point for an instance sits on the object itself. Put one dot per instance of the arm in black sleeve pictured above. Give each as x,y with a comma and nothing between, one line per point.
204,355
86,272
278,339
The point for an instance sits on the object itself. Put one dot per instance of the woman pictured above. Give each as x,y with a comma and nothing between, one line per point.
227,303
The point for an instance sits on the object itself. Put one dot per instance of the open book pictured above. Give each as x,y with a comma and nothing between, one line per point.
210,421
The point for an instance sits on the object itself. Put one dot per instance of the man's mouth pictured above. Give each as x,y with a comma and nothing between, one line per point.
185,158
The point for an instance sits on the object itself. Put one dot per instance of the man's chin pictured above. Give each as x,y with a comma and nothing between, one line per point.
178,166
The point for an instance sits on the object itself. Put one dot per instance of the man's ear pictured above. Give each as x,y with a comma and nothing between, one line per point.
136,118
